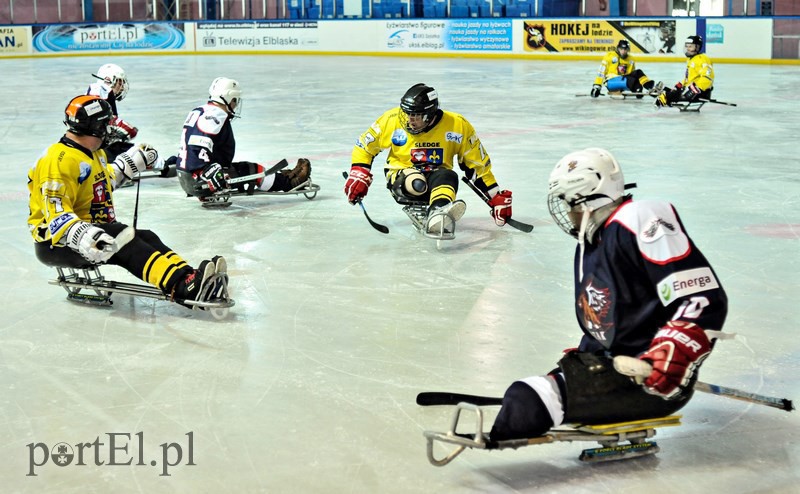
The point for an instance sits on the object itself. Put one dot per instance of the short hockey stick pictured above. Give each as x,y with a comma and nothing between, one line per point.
639,369
377,226
717,102
433,398
246,178
523,227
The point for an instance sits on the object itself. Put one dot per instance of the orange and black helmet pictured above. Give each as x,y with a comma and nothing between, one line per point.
88,115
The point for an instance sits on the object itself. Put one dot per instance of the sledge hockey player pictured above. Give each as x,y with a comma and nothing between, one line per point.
72,218
205,161
619,73
423,140
112,86
642,289
698,81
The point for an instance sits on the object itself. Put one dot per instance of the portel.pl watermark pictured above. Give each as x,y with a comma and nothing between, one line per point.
114,449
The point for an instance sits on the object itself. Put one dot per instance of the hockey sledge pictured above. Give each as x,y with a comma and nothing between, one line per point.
688,106
616,441
620,95
222,198
417,212
86,285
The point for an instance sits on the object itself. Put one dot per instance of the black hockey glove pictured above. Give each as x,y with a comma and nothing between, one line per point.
214,177
596,90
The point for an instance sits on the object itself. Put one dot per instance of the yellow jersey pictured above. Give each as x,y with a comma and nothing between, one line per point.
614,66
68,184
452,136
699,71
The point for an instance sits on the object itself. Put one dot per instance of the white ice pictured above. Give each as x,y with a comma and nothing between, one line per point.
310,385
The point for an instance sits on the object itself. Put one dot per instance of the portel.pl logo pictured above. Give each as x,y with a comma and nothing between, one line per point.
116,449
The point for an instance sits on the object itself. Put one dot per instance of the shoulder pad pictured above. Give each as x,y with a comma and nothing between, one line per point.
98,89
658,232
212,119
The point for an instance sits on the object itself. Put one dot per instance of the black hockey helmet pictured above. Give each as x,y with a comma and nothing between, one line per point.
694,40
88,116
420,99
623,45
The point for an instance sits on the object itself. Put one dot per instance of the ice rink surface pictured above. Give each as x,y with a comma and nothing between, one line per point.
309,386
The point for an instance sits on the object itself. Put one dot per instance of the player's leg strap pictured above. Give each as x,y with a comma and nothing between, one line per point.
597,394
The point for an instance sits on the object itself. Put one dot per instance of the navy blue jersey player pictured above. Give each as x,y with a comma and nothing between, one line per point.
205,161
642,289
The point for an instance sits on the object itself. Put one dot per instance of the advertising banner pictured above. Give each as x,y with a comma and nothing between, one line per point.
475,35
295,35
15,40
645,36
89,37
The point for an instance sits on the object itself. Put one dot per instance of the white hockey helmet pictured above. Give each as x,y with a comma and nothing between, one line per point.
582,183
226,92
115,78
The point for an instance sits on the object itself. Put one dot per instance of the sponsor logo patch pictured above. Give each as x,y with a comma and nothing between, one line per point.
399,137
453,137
685,283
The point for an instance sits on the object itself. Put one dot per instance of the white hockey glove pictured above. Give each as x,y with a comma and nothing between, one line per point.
92,243
136,159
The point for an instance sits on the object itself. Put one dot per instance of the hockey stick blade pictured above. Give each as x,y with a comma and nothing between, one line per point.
717,102
523,227
434,398
381,228
377,226
639,370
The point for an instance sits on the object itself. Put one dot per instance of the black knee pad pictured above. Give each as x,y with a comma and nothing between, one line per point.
522,415
598,394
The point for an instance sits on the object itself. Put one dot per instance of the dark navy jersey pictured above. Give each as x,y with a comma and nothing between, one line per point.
642,271
207,138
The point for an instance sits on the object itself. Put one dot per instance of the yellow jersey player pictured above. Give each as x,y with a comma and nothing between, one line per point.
423,141
698,81
72,217
619,73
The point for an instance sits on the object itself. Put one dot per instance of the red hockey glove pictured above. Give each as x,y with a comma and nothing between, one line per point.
125,130
675,353
357,183
678,86
501,207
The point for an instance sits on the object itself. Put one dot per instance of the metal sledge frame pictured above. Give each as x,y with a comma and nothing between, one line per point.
609,436
222,198
417,212
77,280
689,106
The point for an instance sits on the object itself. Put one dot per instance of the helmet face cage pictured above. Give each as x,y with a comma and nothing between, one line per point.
419,100
115,78
88,116
562,214
228,93
696,44
623,45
